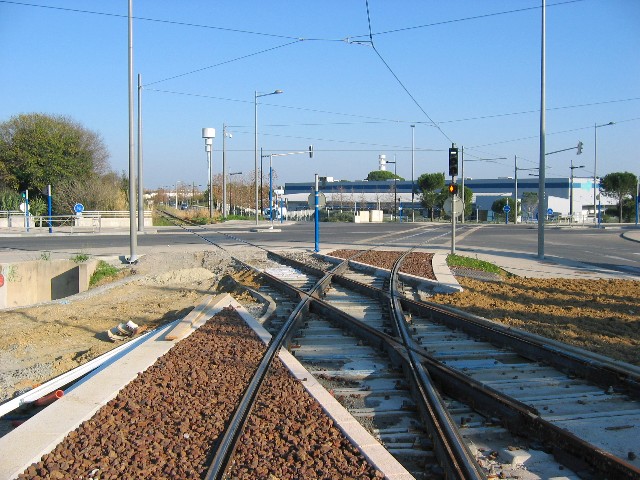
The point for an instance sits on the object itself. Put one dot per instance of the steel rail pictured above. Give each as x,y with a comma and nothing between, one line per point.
227,445
449,446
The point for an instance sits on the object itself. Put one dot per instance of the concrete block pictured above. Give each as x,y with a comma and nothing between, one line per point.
515,457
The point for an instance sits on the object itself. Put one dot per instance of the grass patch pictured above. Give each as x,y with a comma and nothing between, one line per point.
80,257
160,221
103,273
474,263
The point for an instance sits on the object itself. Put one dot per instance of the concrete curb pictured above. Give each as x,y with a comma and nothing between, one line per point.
444,277
631,236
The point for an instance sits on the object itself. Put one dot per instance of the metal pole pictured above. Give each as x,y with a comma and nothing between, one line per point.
542,201
49,207
140,186
224,172
255,145
637,191
210,187
515,163
26,208
395,187
413,187
317,216
133,239
571,193
261,169
454,214
462,174
271,189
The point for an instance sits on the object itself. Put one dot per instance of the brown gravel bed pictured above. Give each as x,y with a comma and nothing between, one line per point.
164,423
416,263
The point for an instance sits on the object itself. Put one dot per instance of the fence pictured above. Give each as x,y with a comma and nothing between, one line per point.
87,222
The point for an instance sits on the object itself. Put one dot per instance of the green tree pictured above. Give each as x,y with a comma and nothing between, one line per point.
38,149
381,175
468,201
9,199
430,185
497,207
619,185
37,206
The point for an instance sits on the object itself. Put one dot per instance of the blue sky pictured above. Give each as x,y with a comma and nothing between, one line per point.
470,67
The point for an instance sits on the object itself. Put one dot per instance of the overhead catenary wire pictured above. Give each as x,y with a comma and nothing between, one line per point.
458,20
386,64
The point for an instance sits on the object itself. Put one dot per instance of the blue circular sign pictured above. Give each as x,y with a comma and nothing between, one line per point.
78,208
549,211
506,209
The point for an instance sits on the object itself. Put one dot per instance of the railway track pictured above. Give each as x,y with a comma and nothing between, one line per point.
430,384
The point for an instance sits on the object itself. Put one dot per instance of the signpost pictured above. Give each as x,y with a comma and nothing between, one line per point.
322,200
78,208
506,209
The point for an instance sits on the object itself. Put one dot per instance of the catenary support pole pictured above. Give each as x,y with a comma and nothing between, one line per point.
542,199
133,238
317,216
140,180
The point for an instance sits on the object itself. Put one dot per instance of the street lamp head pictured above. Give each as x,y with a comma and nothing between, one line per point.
276,92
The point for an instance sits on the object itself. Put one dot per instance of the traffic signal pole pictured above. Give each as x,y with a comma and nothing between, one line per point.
453,190
454,214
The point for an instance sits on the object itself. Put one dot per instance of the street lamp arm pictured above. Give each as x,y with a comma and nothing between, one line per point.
563,150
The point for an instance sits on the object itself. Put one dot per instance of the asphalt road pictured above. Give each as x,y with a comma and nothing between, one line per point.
604,248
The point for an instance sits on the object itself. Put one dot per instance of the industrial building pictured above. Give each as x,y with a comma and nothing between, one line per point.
563,198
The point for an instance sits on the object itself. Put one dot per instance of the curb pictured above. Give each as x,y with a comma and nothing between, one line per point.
626,236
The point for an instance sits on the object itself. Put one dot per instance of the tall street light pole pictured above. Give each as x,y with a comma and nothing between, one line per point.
255,144
413,187
225,134
140,182
542,201
596,210
395,185
572,167
209,134
133,238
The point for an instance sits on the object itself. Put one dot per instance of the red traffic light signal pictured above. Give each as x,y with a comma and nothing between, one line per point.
453,188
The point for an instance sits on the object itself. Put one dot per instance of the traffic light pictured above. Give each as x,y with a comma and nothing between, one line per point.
453,188
579,152
310,151
453,161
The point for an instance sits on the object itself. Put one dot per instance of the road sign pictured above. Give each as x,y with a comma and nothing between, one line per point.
549,211
506,209
457,203
78,208
322,200
22,207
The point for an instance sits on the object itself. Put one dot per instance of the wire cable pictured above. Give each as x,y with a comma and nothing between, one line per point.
400,81
457,20
243,57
